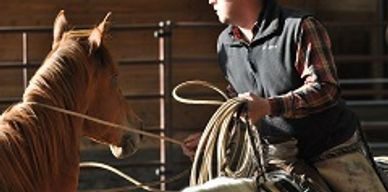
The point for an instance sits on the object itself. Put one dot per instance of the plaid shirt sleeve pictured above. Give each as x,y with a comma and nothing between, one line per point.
315,65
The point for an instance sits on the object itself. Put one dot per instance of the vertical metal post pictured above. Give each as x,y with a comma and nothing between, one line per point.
382,14
25,59
164,37
378,48
384,10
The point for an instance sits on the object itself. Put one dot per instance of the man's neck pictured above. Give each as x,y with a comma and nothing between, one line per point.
249,18
248,34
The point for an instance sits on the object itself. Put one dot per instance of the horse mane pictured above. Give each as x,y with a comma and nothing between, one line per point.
35,142
57,71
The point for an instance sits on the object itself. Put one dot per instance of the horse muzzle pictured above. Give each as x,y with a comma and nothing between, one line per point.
129,145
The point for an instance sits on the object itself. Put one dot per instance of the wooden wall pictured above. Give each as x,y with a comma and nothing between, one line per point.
41,12
143,79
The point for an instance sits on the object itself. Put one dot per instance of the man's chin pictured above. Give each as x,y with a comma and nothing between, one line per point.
223,20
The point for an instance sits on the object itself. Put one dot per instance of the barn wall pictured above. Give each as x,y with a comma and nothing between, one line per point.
186,42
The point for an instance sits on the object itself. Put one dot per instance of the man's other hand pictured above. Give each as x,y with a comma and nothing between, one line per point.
190,144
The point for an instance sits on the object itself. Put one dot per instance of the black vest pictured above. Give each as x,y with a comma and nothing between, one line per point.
266,67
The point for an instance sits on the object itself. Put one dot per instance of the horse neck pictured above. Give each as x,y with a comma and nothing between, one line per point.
44,150
49,131
61,85
52,138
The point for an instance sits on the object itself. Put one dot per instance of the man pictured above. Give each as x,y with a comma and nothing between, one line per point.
280,60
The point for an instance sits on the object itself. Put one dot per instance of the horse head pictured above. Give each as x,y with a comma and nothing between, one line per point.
105,99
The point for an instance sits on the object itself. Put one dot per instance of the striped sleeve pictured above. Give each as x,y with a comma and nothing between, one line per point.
315,66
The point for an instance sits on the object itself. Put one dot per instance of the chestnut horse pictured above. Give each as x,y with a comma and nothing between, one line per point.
39,148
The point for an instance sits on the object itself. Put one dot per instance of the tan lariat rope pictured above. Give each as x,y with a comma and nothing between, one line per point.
110,124
234,158
119,173
126,128
198,102
145,186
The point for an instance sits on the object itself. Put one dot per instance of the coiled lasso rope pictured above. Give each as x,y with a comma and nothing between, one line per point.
220,153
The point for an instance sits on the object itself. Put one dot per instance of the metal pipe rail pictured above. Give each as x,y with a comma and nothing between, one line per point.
328,24
49,29
367,103
360,58
375,124
363,81
164,33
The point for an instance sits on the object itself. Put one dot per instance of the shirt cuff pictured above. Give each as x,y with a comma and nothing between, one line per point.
276,106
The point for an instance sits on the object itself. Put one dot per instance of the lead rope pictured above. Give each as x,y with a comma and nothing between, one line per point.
145,186
126,128
213,145
106,123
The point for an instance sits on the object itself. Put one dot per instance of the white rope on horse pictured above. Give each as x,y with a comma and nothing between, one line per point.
215,137
110,124
119,173
138,184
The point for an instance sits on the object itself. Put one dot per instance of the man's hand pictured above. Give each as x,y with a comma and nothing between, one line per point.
258,107
190,144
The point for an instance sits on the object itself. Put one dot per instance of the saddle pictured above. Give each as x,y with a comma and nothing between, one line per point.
280,181
271,159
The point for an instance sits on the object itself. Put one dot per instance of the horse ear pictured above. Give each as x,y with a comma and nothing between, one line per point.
97,34
60,26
